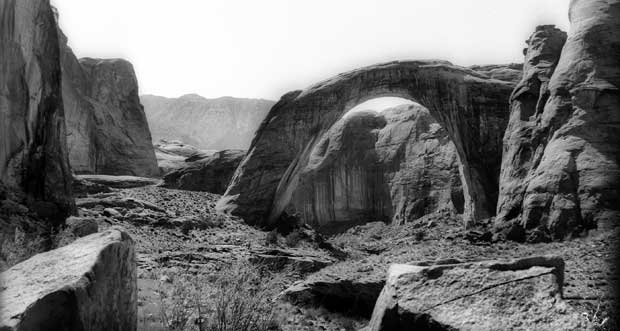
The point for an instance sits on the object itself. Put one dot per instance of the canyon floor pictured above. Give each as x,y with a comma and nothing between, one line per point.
179,234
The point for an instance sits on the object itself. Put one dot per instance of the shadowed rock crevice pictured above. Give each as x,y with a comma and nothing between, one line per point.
471,107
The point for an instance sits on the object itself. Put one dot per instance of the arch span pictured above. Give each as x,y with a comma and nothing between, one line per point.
472,107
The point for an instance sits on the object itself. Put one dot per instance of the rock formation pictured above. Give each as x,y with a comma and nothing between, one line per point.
218,124
90,284
560,170
393,167
507,72
492,295
208,173
33,152
106,126
470,106
171,155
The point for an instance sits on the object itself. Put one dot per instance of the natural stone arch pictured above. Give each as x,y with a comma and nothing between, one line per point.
472,107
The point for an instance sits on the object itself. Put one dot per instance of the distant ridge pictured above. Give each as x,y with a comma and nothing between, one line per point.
220,123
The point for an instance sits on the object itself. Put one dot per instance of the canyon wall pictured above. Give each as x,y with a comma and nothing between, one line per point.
222,123
560,172
33,152
469,105
107,129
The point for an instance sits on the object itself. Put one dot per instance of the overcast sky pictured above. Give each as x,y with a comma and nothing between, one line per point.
262,49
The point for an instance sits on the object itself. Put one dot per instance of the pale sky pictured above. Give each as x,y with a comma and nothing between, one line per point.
262,49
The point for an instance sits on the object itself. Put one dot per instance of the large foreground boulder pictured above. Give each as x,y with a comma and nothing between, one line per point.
561,166
33,152
90,284
524,294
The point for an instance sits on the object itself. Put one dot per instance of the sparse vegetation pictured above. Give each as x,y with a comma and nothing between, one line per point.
271,239
19,246
237,298
293,238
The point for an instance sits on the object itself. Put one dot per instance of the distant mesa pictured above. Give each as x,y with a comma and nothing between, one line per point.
211,124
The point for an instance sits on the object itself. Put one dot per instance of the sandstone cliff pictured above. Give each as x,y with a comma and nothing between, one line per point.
470,106
33,153
395,167
106,126
561,172
222,123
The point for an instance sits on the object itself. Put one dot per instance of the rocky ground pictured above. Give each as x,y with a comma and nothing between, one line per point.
179,233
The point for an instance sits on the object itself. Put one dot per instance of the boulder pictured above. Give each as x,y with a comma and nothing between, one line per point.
342,294
523,294
297,260
207,173
470,106
90,284
33,151
107,131
561,168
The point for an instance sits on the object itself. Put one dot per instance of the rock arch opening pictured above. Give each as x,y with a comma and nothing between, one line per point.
297,134
386,159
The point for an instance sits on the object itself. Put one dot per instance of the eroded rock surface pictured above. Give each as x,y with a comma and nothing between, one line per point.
205,172
33,152
90,284
470,106
171,154
491,295
561,172
395,166
107,129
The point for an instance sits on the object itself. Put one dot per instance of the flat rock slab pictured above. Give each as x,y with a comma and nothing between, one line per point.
298,260
523,294
119,181
90,284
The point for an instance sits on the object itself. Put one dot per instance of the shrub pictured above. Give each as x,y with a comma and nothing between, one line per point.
271,239
19,246
238,298
242,301
293,238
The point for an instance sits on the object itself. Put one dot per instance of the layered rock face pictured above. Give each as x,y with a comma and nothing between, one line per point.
342,181
218,124
33,153
106,125
561,170
470,106
491,295
90,284
208,173
393,167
